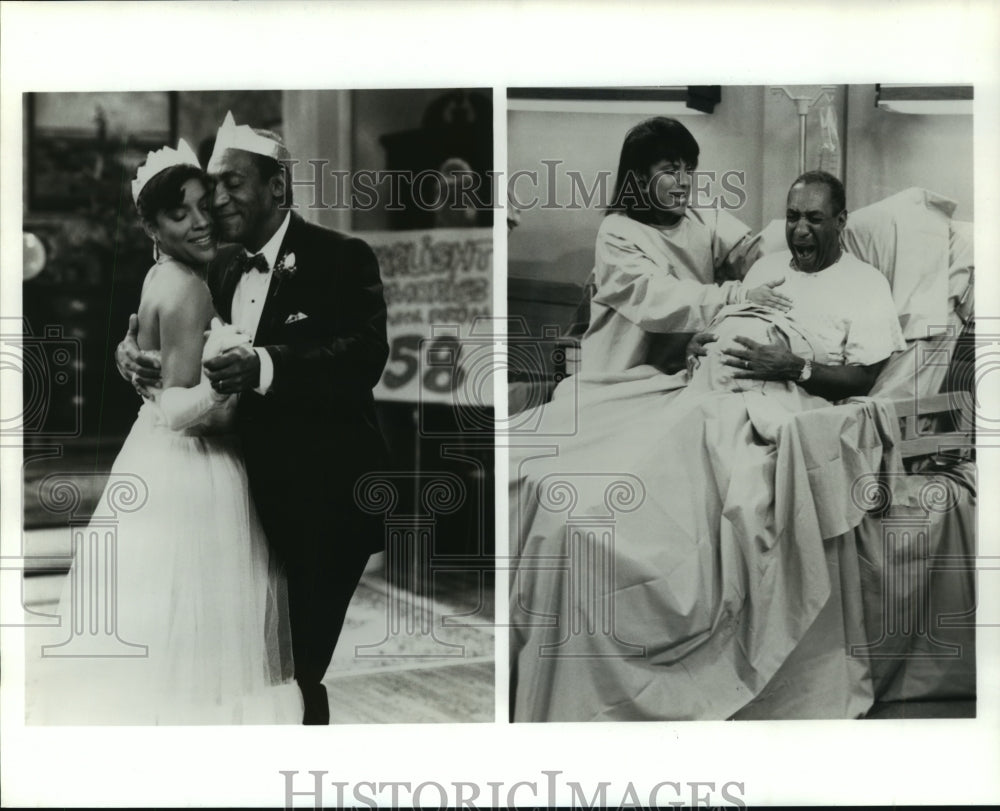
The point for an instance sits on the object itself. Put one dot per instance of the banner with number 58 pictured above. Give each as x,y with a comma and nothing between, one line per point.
437,282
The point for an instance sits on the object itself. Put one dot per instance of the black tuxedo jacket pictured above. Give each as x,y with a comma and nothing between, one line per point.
309,439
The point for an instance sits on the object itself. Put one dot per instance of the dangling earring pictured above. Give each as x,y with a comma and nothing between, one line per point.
156,251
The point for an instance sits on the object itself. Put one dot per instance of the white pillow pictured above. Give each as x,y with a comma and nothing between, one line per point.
907,237
962,263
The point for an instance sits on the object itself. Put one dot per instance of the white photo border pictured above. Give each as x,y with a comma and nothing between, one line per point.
195,46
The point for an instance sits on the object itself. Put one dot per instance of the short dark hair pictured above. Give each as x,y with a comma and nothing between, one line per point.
266,167
837,195
649,142
166,190
269,167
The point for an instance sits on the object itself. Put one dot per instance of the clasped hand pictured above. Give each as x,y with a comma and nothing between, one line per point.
232,371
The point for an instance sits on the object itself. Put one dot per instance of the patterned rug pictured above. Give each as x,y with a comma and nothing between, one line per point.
403,659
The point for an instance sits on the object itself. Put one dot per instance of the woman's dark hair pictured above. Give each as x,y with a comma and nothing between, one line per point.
166,190
654,140
838,198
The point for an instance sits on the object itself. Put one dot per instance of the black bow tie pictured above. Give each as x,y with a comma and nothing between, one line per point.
255,262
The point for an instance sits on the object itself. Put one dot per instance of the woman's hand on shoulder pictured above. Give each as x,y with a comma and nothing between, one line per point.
767,296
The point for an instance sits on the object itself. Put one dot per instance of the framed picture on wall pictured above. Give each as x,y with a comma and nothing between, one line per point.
83,146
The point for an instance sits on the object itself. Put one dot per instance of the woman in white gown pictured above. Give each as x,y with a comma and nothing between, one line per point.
194,583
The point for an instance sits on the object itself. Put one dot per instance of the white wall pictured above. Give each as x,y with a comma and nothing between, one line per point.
558,244
752,129
888,152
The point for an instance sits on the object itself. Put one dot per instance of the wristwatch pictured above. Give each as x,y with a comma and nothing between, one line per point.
806,373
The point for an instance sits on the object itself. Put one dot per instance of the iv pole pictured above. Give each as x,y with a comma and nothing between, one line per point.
802,105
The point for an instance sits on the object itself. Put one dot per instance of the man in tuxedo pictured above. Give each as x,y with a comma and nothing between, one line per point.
311,299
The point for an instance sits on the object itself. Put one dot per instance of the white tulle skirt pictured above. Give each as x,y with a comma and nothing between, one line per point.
185,620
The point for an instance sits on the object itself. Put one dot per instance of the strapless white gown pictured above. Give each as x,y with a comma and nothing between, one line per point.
193,583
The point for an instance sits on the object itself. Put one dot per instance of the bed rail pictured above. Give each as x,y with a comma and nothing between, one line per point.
916,414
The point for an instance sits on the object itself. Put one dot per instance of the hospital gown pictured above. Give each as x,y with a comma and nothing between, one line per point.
669,563
654,286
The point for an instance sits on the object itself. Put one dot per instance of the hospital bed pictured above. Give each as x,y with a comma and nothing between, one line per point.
900,622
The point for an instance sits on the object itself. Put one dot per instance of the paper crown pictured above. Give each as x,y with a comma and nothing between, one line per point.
239,136
161,159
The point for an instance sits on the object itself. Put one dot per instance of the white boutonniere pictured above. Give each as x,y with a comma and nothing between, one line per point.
285,266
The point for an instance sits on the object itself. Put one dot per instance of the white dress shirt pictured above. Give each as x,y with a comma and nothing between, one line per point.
248,302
